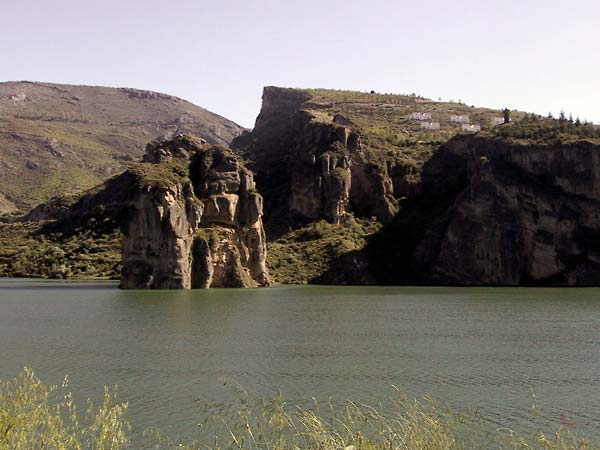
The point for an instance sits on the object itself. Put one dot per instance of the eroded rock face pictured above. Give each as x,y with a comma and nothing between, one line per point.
529,214
320,178
499,213
199,229
157,246
318,169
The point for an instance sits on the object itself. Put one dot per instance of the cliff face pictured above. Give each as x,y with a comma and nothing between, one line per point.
495,208
157,245
195,221
499,213
230,247
310,166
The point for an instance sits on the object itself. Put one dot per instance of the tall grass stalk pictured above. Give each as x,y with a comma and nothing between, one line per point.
35,416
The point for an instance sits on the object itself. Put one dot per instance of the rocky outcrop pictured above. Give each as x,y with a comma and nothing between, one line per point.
320,178
230,247
498,213
310,167
195,221
6,206
158,242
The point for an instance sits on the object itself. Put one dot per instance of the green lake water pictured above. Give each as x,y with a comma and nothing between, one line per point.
177,355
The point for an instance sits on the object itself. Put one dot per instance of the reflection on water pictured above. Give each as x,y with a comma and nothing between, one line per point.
172,352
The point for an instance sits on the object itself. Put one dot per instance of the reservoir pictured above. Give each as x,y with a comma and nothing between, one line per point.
525,358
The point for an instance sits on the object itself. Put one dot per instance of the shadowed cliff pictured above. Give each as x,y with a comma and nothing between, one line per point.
491,212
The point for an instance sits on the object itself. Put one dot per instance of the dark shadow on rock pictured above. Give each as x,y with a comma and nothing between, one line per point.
389,256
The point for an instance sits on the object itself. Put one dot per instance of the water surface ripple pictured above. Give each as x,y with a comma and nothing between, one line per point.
175,355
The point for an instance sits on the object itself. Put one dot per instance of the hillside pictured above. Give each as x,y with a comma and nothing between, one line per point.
357,192
61,139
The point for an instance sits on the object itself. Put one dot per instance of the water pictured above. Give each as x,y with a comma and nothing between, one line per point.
175,355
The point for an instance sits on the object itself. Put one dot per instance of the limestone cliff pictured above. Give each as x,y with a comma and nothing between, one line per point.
513,205
356,191
195,221
495,212
311,166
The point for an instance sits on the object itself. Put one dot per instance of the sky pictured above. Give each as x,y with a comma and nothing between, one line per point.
534,55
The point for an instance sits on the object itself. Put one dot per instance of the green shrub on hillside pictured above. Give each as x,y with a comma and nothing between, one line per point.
306,253
547,130
84,255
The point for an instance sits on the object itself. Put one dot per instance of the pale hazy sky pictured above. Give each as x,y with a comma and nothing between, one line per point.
535,55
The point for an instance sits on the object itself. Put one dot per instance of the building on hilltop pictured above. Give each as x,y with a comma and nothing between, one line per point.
459,119
430,125
470,128
420,116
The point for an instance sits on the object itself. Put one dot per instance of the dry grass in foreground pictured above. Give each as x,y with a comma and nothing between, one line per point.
35,416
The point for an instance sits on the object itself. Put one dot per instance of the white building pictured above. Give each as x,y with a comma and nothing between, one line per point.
459,119
497,121
420,116
430,125
471,128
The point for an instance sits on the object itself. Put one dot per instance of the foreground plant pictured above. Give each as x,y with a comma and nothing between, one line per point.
36,416
407,425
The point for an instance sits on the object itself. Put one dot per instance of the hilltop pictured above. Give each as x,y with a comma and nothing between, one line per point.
62,139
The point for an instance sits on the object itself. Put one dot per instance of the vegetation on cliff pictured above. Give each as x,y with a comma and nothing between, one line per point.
538,130
303,255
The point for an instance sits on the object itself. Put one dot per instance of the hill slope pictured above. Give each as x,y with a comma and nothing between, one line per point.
357,192
60,139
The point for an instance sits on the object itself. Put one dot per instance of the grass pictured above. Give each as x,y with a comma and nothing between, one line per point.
167,173
387,115
533,129
36,416
74,181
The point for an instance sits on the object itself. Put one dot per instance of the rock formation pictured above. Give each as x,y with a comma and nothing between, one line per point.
195,220
494,212
513,205
310,167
